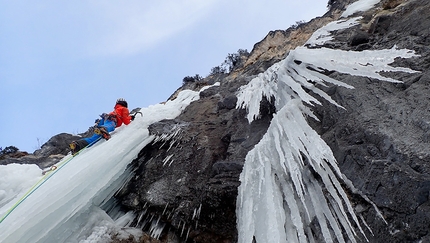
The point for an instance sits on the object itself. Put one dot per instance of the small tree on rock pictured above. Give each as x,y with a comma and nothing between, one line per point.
8,150
217,70
189,79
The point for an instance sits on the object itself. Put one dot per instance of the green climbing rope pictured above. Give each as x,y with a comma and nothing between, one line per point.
48,174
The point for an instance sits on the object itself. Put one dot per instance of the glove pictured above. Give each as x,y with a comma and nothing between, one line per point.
132,117
97,121
104,116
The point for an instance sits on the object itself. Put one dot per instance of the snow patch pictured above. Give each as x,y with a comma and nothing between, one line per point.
359,6
15,180
323,34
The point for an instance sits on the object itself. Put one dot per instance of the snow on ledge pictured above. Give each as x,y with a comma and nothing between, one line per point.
323,34
359,6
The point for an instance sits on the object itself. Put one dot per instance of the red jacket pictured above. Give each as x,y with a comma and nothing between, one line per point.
122,115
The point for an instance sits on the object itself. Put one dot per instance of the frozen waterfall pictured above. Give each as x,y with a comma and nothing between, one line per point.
291,185
67,208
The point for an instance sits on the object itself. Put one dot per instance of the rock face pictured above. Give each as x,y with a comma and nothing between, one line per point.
187,179
381,139
190,177
49,154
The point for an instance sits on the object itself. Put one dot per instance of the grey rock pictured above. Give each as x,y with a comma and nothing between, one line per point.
380,141
58,144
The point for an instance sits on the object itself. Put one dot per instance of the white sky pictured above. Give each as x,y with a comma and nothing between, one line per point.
62,63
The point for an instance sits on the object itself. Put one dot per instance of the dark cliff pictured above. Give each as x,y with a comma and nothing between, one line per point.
381,140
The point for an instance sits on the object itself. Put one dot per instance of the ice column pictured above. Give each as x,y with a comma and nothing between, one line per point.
291,185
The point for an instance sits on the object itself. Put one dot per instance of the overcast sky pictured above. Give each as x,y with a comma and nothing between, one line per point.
62,63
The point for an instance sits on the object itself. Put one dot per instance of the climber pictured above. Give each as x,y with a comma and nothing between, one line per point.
105,125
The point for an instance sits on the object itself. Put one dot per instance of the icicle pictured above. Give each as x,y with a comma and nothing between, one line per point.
196,212
183,227
144,223
365,223
285,147
176,132
140,217
355,190
156,228
179,224
188,232
165,207
170,214
165,160
199,210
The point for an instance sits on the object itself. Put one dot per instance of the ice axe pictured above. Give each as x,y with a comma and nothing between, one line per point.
134,112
